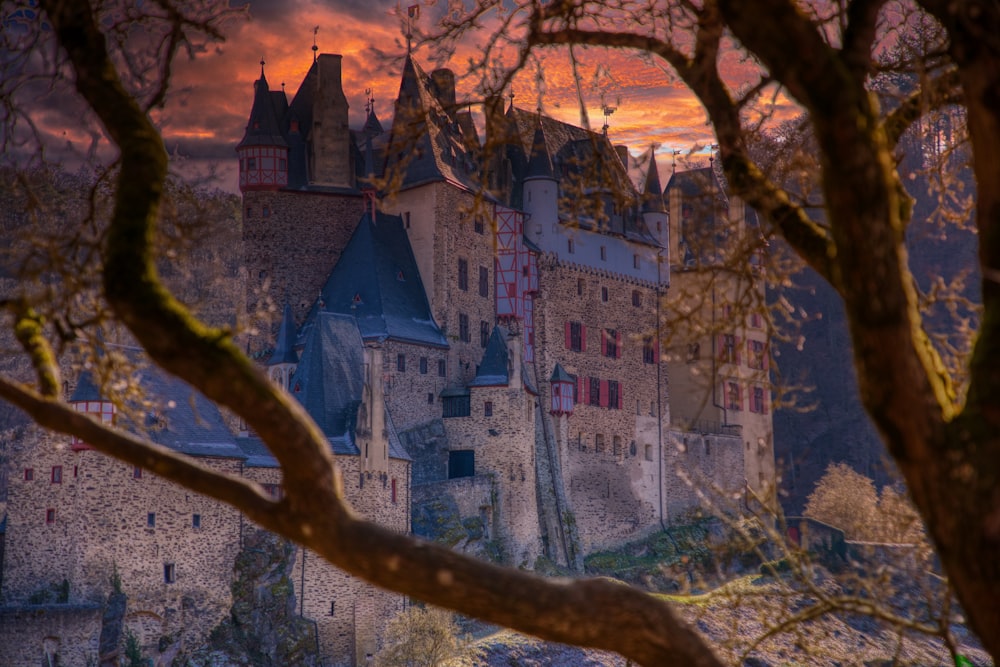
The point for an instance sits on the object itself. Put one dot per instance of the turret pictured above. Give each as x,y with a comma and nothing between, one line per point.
281,366
654,212
87,398
263,152
562,392
541,189
371,428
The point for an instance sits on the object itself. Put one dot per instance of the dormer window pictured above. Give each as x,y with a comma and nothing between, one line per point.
400,277
357,299
256,124
293,126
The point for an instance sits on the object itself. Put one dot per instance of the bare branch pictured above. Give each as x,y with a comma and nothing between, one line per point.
940,91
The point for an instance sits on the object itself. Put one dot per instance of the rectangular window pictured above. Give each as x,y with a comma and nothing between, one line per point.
614,395
484,281
576,337
604,253
333,605
599,443
406,219
50,515
136,472
649,355
479,226
265,212
579,286
755,355
196,521
76,471
463,275
756,320
151,520
249,212
595,392
570,247
423,365
169,573
728,352
758,402
251,163
430,398
488,409
29,474
401,363
616,446
734,399
609,343
604,294
464,334
442,368
484,333
282,164
456,406
635,261
636,298
57,474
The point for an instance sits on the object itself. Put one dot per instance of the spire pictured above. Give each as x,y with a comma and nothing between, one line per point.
262,126
652,195
372,129
539,164
284,350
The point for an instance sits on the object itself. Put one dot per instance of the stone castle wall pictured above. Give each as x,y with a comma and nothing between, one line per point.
704,466
63,634
292,241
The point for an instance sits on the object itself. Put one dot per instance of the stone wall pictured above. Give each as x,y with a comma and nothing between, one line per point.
610,456
428,445
704,467
413,394
50,634
292,241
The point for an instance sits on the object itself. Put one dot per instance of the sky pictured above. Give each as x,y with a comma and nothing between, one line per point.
207,110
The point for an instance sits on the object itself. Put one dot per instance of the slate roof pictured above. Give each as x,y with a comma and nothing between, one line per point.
539,162
695,182
426,142
494,369
182,419
263,128
559,374
284,350
329,382
585,159
376,281
86,390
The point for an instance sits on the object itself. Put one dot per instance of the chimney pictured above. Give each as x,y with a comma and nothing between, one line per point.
443,81
330,138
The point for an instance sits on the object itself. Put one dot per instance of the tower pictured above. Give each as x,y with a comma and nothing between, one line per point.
263,151
541,189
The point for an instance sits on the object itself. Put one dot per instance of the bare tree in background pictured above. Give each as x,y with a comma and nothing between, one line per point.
946,443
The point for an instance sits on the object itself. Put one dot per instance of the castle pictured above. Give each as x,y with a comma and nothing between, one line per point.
493,335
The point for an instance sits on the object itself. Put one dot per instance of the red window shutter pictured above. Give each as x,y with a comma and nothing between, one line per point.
621,390
618,344
604,343
767,357
736,349
583,338
584,390
739,395
604,393
569,340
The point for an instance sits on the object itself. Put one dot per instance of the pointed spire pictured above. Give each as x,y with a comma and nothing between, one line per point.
262,126
539,164
284,350
652,195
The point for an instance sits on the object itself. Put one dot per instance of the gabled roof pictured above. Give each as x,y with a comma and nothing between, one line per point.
695,183
425,139
284,349
376,281
329,382
494,369
263,127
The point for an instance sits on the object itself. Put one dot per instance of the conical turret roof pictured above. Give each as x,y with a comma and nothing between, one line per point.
262,127
284,350
652,194
540,163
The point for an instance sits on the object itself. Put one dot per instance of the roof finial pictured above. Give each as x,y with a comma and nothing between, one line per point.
673,161
315,48
262,67
412,13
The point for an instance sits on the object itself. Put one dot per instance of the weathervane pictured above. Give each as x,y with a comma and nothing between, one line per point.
412,14
608,110
673,160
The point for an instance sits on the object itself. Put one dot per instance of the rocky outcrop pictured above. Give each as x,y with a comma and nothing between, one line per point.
262,629
112,622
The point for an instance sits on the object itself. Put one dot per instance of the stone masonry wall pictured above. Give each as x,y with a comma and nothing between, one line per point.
292,240
704,466
65,634
413,393
611,457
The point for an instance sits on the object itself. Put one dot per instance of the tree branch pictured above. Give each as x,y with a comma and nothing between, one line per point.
939,91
